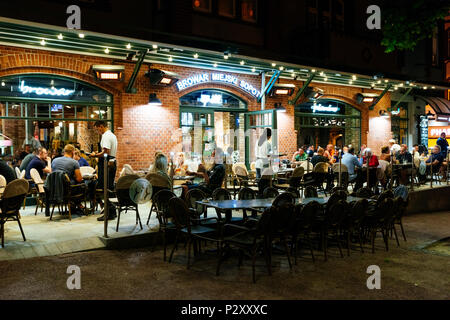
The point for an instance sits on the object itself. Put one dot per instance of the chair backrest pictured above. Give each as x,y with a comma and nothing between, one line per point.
321,167
123,189
158,180
364,193
270,193
299,172
179,211
384,209
253,166
37,180
308,214
221,194
284,198
283,220
307,166
338,212
240,169
193,196
22,174
341,193
2,184
17,172
294,192
13,197
336,189
87,171
16,188
246,194
264,226
358,211
335,198
161,201
339,167
311,192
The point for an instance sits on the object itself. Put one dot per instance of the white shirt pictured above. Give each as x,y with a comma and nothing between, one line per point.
262,153
109,141
395,148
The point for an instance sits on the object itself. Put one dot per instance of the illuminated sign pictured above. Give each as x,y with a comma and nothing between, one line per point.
44,91
213,99
435,132
220,78
320,108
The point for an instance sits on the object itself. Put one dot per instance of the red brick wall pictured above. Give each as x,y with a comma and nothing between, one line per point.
143,130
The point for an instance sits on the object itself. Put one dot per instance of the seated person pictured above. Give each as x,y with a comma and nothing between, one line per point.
385,154
372,160
213,178
81,161
435,160
310,152
319,157
351,162
329,153
402,157
41,162
68,165
25,152
7,172
161,168
26,161
300,155
180,165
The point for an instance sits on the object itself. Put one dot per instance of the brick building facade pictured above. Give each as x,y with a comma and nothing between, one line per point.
142,130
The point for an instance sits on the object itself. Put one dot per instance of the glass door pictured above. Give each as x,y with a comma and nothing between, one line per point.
255,123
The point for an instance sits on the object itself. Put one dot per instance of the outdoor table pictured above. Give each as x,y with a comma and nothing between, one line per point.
229,205
179,180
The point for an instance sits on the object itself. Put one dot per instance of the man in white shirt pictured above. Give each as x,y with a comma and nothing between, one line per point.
109,147
263,151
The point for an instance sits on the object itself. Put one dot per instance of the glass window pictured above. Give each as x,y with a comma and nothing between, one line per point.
227,8
399,123
48,88
248,10
327,122
202,5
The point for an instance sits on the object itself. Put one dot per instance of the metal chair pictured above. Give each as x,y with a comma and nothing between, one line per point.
40,192
10,204
270,193
124,201
186,225
2,185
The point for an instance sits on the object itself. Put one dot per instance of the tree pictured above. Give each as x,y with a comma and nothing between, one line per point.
406,23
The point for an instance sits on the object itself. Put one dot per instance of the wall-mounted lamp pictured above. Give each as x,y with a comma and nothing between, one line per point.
153,100
365,98
282,90
161,78
313,94
384,114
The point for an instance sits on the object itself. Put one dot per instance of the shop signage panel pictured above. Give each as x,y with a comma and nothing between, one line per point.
218,78
435,132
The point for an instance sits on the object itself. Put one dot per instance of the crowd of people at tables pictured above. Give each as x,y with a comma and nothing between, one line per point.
212,169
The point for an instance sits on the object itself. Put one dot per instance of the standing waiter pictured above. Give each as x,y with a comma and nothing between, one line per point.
109,147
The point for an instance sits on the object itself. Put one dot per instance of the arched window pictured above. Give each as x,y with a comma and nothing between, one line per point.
50,111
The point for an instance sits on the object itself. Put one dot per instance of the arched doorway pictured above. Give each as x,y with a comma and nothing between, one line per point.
327,121
212,117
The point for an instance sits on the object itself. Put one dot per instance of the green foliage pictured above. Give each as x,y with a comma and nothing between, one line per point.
406,23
